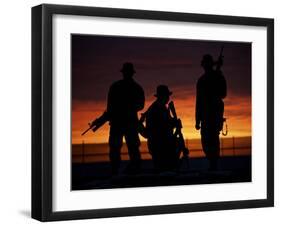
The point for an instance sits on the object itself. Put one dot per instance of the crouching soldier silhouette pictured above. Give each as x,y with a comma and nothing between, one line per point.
125,99
211,90
159,132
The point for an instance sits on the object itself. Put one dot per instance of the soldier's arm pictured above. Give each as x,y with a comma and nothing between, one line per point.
140,99
223,87
198,105
110,101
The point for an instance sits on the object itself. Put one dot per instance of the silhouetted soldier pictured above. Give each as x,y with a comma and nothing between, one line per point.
159,131
211,89
125,99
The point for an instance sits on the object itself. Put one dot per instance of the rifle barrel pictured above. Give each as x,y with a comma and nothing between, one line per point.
85,131
221,50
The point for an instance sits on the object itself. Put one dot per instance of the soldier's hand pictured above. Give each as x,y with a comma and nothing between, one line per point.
178,123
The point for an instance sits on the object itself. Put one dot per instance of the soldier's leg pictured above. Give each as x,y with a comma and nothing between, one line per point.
133,144
115,144
213,143
170,155
210,145
216,140
215,152
156,161
205,142
153,150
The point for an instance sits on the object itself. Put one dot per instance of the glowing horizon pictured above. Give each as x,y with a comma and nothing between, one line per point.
238,121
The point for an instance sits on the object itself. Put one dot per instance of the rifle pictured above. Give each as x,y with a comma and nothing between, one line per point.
179,136
219,63
97,123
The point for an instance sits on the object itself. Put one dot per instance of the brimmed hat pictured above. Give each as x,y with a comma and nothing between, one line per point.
163,90
128,67
207,59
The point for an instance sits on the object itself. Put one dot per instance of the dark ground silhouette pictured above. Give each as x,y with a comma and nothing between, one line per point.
98,175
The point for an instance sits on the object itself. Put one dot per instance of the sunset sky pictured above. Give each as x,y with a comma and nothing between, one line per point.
96,64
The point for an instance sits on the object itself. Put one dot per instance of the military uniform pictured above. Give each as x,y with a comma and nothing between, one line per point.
211,89
125,99
160,138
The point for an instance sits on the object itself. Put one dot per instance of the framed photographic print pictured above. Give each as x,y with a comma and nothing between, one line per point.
146,112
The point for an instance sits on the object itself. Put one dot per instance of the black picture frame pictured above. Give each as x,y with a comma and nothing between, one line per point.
42,111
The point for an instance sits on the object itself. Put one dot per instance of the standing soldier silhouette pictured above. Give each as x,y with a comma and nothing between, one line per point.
159,132
211,90
125,99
